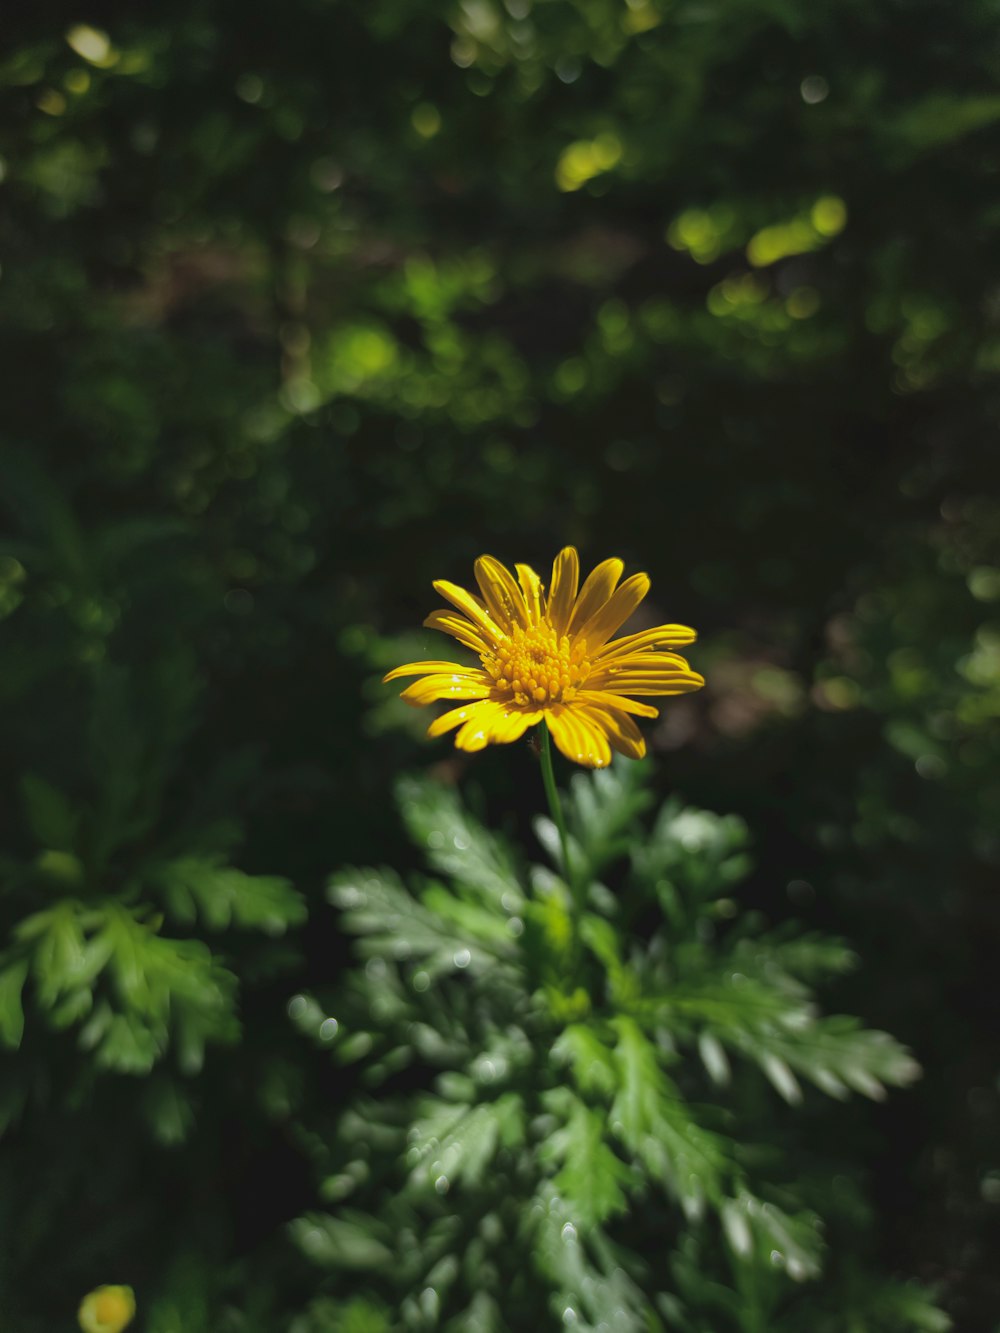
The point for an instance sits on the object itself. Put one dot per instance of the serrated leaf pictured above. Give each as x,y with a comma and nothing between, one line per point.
657,1125
469,918
593,1178
781,955
129,1046
791,1243
690,857
64,955
340,1242
601,938
602,810
593,1066
837,1054
550,931
457,844
219,895
156,988
774,1024
591,1286
392,924
451,1143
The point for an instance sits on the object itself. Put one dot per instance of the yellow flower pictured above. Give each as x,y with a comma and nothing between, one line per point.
107,1310
551,658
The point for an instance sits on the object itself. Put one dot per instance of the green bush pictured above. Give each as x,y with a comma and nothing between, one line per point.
540,1093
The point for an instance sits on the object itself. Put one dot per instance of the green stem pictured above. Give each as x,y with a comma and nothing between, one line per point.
559,819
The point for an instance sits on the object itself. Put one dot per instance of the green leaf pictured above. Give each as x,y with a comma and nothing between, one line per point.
470,918
358,1315
593,1178
603,808
592,1064
12,979
837,1054
483,1315
791,958
220,895
126,1044
457,845
774,1024
690,857
450,1143
549,930
392,924
349,1241
156,989
590,1284
765,1232
656,1124
601,937
64,956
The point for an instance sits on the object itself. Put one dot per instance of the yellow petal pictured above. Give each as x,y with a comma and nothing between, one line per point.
578,736
562,592
531,585
620,730
475,733
603,699
640,661
615,611
450,622
500,593
496,721
456,716
666,636
471,607
431,669
608,672
633,661
512,724
431,688
665,682
595,592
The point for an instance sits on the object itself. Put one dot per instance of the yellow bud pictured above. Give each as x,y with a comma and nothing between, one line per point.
107,1310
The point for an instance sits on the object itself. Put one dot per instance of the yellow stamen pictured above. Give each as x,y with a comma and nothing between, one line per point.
536,666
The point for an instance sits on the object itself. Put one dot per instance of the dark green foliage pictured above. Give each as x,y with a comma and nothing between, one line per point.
554,1106
304,305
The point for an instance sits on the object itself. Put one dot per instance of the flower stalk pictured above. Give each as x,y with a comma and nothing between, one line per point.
577,886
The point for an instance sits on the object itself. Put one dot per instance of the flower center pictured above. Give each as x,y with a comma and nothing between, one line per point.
535,667
109,1307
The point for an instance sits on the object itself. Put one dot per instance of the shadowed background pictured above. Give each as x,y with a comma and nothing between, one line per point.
303,306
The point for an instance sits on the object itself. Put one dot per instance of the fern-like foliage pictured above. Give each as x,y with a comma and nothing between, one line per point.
535,1089
109,961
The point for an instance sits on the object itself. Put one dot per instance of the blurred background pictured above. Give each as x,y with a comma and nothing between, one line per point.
305,305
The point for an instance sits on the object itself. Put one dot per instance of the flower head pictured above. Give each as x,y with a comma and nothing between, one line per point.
550,657
107,1310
